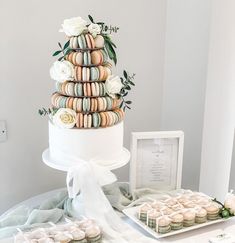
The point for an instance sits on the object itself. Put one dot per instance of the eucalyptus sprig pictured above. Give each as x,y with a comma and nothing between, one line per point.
108,43
47,112
128,83
65,50
105,28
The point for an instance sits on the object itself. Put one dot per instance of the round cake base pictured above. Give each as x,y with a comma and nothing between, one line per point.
116,162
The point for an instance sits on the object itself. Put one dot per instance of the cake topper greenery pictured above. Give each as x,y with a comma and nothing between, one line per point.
94,28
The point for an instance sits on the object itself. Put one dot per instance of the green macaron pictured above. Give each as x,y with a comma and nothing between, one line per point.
109,103
86,58
81,41
95,120
62,102
78,89
94,73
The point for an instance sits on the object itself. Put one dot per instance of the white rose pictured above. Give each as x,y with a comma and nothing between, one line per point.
65,118
62,71
74,26
230,203
113,85
94,29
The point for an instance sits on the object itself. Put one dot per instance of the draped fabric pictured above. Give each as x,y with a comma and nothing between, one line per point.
85,198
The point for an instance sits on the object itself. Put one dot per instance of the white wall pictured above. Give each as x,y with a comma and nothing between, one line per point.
219,117
232,172
187,38
29,34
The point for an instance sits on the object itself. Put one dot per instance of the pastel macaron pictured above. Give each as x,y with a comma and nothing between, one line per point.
82,42
99,41
96,57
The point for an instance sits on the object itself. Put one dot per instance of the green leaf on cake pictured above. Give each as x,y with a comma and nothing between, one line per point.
67,52
125,94
125,74
111,52
66,45
59,59
60,45
130,82
108,39
56,53
91,19
128,102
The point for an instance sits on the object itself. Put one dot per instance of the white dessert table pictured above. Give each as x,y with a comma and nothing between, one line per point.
200,235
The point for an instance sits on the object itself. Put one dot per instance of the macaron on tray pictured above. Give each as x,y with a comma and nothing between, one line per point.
84,231
173,215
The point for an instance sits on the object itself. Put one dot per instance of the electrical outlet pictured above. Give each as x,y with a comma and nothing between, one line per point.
3,131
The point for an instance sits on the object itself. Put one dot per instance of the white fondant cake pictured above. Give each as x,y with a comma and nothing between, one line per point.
103,146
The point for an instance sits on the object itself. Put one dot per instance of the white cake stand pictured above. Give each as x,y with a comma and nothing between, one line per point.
116,162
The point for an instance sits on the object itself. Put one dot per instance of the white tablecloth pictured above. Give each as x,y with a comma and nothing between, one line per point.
195,236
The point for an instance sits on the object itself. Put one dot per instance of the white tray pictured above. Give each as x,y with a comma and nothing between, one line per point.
132,214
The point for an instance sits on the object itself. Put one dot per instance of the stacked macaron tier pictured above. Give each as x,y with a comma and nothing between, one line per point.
86,41
87,94
91,74
94,89
88,58
83,104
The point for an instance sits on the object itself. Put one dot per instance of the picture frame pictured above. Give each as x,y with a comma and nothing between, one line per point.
157,159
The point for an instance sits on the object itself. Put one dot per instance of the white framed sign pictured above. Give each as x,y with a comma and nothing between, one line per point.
156,160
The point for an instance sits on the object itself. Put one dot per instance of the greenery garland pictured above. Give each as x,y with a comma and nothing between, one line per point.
128,82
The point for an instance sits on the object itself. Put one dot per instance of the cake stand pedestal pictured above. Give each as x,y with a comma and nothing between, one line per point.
119,162
102,173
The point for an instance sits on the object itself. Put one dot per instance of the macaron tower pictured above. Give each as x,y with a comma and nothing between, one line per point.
89,89
87,107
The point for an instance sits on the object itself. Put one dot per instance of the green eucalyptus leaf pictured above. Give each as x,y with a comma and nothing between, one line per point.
125,74
67,51
56,53
128,87
128,102
130,82
113,44
125,94
91,19
108,39
101,23
114,54
66,45
60,45
59,59
109,51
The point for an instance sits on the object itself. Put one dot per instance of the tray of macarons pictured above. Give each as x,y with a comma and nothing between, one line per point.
84,231
172,215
